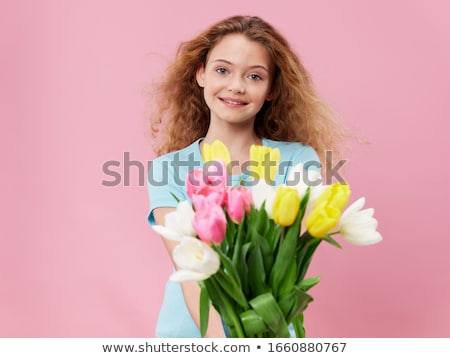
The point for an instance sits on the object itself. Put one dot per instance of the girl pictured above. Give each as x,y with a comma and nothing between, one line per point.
240,82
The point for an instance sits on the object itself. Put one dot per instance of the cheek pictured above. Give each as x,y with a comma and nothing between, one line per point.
213,87
261,93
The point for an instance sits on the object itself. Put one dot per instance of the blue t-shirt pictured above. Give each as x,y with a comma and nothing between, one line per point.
166,177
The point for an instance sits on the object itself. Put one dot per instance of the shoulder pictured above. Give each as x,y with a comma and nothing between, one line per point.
172,168
282,145
167,176
291,154
185,154
293,151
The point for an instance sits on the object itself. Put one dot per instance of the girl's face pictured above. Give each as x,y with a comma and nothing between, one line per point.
236,79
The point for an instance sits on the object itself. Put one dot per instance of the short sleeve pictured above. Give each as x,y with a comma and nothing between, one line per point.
309,158
297,153
163,186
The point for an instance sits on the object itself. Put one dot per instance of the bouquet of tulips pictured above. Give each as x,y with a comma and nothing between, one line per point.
250,246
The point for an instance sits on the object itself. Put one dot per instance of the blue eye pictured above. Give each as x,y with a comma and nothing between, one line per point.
221,70
255,77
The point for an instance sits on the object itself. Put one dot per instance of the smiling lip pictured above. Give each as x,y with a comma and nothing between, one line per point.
233,102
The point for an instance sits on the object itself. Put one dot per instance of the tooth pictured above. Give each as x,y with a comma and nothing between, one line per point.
232,102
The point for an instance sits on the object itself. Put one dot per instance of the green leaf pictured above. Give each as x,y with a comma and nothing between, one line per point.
242,268
253,324
242,228
222,303
266,251
260,218
294,302
298,326
309,246
226,308
286,255
303,300
267,307
204,309
228,243
228,266
289,279
255,218
215,296
267,256
256,273
333,242
175,197
307,283
232,288
274,234
304,203
265,227
288,302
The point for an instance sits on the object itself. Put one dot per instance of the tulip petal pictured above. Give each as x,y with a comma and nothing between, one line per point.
263,193
354,207
286,205
302,179
238,202
368,238
196,259
295,174
187,275
358,227
216,150
180,220
319,222
167,233
264,162
210,224
315,193
327,209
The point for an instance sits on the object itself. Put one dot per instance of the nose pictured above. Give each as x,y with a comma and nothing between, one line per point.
236,84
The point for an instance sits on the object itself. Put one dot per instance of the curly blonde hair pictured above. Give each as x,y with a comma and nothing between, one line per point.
295,114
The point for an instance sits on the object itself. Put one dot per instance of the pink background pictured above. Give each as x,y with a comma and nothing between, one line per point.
78,259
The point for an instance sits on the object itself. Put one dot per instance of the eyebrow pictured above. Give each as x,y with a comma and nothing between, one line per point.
231,63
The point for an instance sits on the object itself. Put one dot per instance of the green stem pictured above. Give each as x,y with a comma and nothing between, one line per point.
334,232
238,244
230,311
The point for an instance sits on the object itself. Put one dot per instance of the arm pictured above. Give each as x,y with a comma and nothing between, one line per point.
191,289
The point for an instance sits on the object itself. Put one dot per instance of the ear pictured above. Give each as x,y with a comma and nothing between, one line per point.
200,76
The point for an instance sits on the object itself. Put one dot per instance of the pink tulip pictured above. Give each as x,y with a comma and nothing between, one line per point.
210,179
202,202
237,202
210,224
216,173
194,182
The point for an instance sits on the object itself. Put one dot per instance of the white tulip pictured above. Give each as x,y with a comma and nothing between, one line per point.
177,223
301,178
315,192
197,261
263,192
357,226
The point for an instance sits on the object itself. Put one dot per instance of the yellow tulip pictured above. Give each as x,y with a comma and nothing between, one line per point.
327,209
319,222
264,162
286,205
335,195
216,150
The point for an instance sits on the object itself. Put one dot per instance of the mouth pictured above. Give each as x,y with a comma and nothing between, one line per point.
233,102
